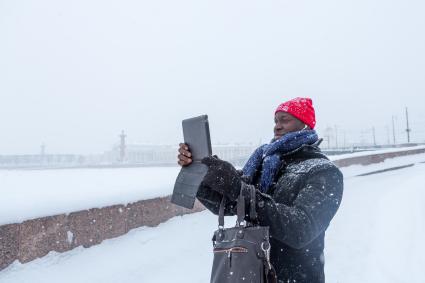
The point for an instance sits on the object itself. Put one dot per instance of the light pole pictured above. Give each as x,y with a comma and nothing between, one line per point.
392,118
408,130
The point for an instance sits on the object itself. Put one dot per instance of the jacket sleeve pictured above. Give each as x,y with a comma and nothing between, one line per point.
313,209
212,199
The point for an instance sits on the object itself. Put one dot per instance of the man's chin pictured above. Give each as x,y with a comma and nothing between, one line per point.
278,137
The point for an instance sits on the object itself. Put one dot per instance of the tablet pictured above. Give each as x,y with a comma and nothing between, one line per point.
196,135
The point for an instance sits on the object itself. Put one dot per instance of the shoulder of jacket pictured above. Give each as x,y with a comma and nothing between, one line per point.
311,166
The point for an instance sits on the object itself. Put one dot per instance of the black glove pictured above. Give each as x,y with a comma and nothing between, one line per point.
222,177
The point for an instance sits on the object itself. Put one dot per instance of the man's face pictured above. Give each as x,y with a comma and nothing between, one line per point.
285,123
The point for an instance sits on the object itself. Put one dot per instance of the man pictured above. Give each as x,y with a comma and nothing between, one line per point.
298,191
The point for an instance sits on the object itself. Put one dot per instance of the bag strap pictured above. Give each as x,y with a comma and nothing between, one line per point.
221,213
240,209
252,204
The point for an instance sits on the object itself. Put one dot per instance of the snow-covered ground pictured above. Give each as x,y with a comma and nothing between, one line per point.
376,236
28,194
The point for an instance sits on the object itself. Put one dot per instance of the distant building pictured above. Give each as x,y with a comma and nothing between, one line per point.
237,154
40,160
149,154
135,154
143,154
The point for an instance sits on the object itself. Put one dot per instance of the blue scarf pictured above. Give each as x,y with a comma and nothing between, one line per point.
267,157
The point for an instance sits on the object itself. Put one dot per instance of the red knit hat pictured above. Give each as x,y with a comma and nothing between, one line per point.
301,108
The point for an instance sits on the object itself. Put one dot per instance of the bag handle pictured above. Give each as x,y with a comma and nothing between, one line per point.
240,209
221,214
252,204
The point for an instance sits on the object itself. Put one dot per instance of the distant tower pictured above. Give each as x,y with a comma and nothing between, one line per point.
43,149
122,146
42,153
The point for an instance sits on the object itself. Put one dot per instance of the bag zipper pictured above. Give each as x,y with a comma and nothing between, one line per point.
231,250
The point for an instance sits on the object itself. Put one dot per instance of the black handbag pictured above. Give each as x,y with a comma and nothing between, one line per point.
242,253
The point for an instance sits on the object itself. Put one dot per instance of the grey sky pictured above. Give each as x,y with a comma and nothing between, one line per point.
74,73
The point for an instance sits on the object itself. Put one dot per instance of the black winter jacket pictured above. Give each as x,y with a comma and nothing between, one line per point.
298,210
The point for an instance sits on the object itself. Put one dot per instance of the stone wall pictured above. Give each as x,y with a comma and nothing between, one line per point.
35,238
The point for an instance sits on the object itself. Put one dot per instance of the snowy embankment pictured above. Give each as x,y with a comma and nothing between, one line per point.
376,236
29,194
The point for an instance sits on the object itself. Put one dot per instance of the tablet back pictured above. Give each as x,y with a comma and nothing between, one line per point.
197,136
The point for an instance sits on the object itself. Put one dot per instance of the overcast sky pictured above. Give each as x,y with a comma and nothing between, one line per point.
73,74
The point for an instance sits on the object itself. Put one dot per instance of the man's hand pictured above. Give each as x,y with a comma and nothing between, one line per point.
222,177
184,157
